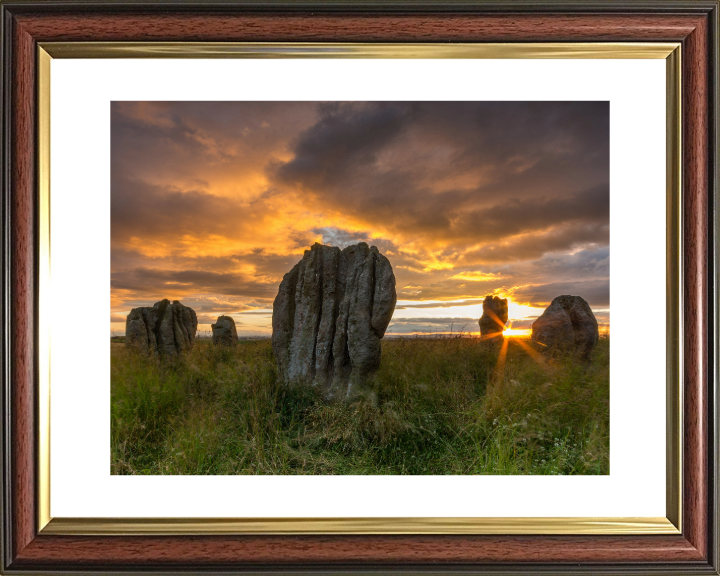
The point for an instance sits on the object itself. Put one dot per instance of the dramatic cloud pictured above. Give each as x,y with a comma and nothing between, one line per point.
596,292
455,173
213,202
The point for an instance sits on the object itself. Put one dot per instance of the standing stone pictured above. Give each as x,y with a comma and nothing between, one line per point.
136,333
330,313
165,329
495,314
224,332
567,326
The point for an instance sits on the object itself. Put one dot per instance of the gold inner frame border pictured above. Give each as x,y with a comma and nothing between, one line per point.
671,524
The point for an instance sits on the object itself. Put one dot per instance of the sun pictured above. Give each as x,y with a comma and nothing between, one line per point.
511,332
514,332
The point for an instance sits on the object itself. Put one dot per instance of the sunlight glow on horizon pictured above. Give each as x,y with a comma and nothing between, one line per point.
259,320
515,332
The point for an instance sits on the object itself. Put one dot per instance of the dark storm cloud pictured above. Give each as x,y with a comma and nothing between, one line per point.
458,172
348,138
343,142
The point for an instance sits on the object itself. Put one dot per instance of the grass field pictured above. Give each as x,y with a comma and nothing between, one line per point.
446,406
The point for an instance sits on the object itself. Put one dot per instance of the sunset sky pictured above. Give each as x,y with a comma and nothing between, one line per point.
213,202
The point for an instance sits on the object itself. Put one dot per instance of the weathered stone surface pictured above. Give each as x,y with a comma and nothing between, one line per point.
567,326
495,314
329,315
136,336
166,328
224,332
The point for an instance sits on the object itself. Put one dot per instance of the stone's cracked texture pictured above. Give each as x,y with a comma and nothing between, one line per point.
568,325
329,315
165,329
495,314
224,332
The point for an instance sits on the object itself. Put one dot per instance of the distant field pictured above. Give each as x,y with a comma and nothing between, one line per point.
446,406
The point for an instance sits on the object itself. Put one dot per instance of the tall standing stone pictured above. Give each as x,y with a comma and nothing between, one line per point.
166,328
495,315
330,313
224,332
568,325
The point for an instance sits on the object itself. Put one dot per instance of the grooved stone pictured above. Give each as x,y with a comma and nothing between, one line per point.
329,315
165,329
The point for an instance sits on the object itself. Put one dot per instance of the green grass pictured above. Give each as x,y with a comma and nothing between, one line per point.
445,406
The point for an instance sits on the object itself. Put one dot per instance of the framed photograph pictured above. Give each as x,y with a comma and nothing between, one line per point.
360,263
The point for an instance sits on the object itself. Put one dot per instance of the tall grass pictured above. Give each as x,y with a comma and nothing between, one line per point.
445,406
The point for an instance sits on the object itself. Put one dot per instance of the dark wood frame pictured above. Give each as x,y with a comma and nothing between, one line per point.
24,24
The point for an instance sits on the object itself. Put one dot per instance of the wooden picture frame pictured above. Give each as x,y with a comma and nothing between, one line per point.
28,548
